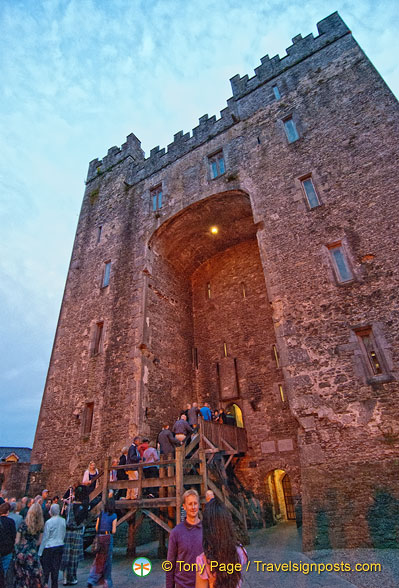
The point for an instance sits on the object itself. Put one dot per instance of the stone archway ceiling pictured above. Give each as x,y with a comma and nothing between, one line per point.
186,240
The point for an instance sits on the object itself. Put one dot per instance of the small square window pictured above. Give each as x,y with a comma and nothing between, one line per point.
107,274
276,93
290,130
156,198
370,351
340,263
310,192
216,164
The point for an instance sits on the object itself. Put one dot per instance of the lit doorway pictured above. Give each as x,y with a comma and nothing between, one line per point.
280,491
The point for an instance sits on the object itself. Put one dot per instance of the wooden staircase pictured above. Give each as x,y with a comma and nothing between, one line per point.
191,467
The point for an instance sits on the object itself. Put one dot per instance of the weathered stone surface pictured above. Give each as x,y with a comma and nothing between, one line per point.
271,282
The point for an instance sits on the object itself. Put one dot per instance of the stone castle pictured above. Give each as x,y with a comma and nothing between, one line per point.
252,264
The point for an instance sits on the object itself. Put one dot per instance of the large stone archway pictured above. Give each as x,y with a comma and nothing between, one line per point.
209,329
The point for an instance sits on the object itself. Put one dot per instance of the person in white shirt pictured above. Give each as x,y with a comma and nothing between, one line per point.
52,545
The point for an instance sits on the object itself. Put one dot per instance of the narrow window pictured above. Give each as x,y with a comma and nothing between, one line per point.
276,93
310,192
243,290
156,198
281,390
225,349
208,290
290,130
276,356
370,352
195,357
216,164
340,263
98,338
87,420
107,273
99,231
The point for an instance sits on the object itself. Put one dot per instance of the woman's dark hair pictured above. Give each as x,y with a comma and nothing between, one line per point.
219,541
109,507
4,508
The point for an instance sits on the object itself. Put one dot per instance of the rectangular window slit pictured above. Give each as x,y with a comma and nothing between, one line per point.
290,130
98,338
216,164
157,196
99,231
310,192
87,421
225,349
369,348
281,390
107,274
276,93
340,263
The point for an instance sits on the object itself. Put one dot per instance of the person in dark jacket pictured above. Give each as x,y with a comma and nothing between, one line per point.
121,474
167,442
7,538
133,456
181,428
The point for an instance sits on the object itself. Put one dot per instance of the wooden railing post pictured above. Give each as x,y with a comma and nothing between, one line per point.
107,462
140,489
179,481
203,471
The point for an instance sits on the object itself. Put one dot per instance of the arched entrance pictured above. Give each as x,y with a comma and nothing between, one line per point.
280,492
234,415
204,281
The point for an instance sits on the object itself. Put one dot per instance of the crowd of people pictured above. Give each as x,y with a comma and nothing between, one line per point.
41,536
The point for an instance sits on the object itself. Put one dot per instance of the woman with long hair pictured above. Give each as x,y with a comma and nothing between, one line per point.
73,542
105,528
220,545
27,567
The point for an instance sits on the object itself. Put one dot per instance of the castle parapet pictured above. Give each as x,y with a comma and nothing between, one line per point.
131,148
330,29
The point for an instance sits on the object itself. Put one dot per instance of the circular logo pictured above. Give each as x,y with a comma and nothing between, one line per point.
141,566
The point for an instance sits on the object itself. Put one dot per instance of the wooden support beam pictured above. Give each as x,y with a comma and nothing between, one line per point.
131,539
126,517
157,520
211,445
228,461
179,482
230,447
243,513
191,446
145,503
105,479
223,497
203,472
140,483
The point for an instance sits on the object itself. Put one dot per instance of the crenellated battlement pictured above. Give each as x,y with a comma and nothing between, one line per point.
330,29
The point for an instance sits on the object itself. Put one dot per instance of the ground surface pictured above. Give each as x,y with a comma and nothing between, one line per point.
278,544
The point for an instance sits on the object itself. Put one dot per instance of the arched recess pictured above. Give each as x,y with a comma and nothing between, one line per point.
280,491
234,412
208,326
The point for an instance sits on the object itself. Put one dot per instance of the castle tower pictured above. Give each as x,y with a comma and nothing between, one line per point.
253,264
